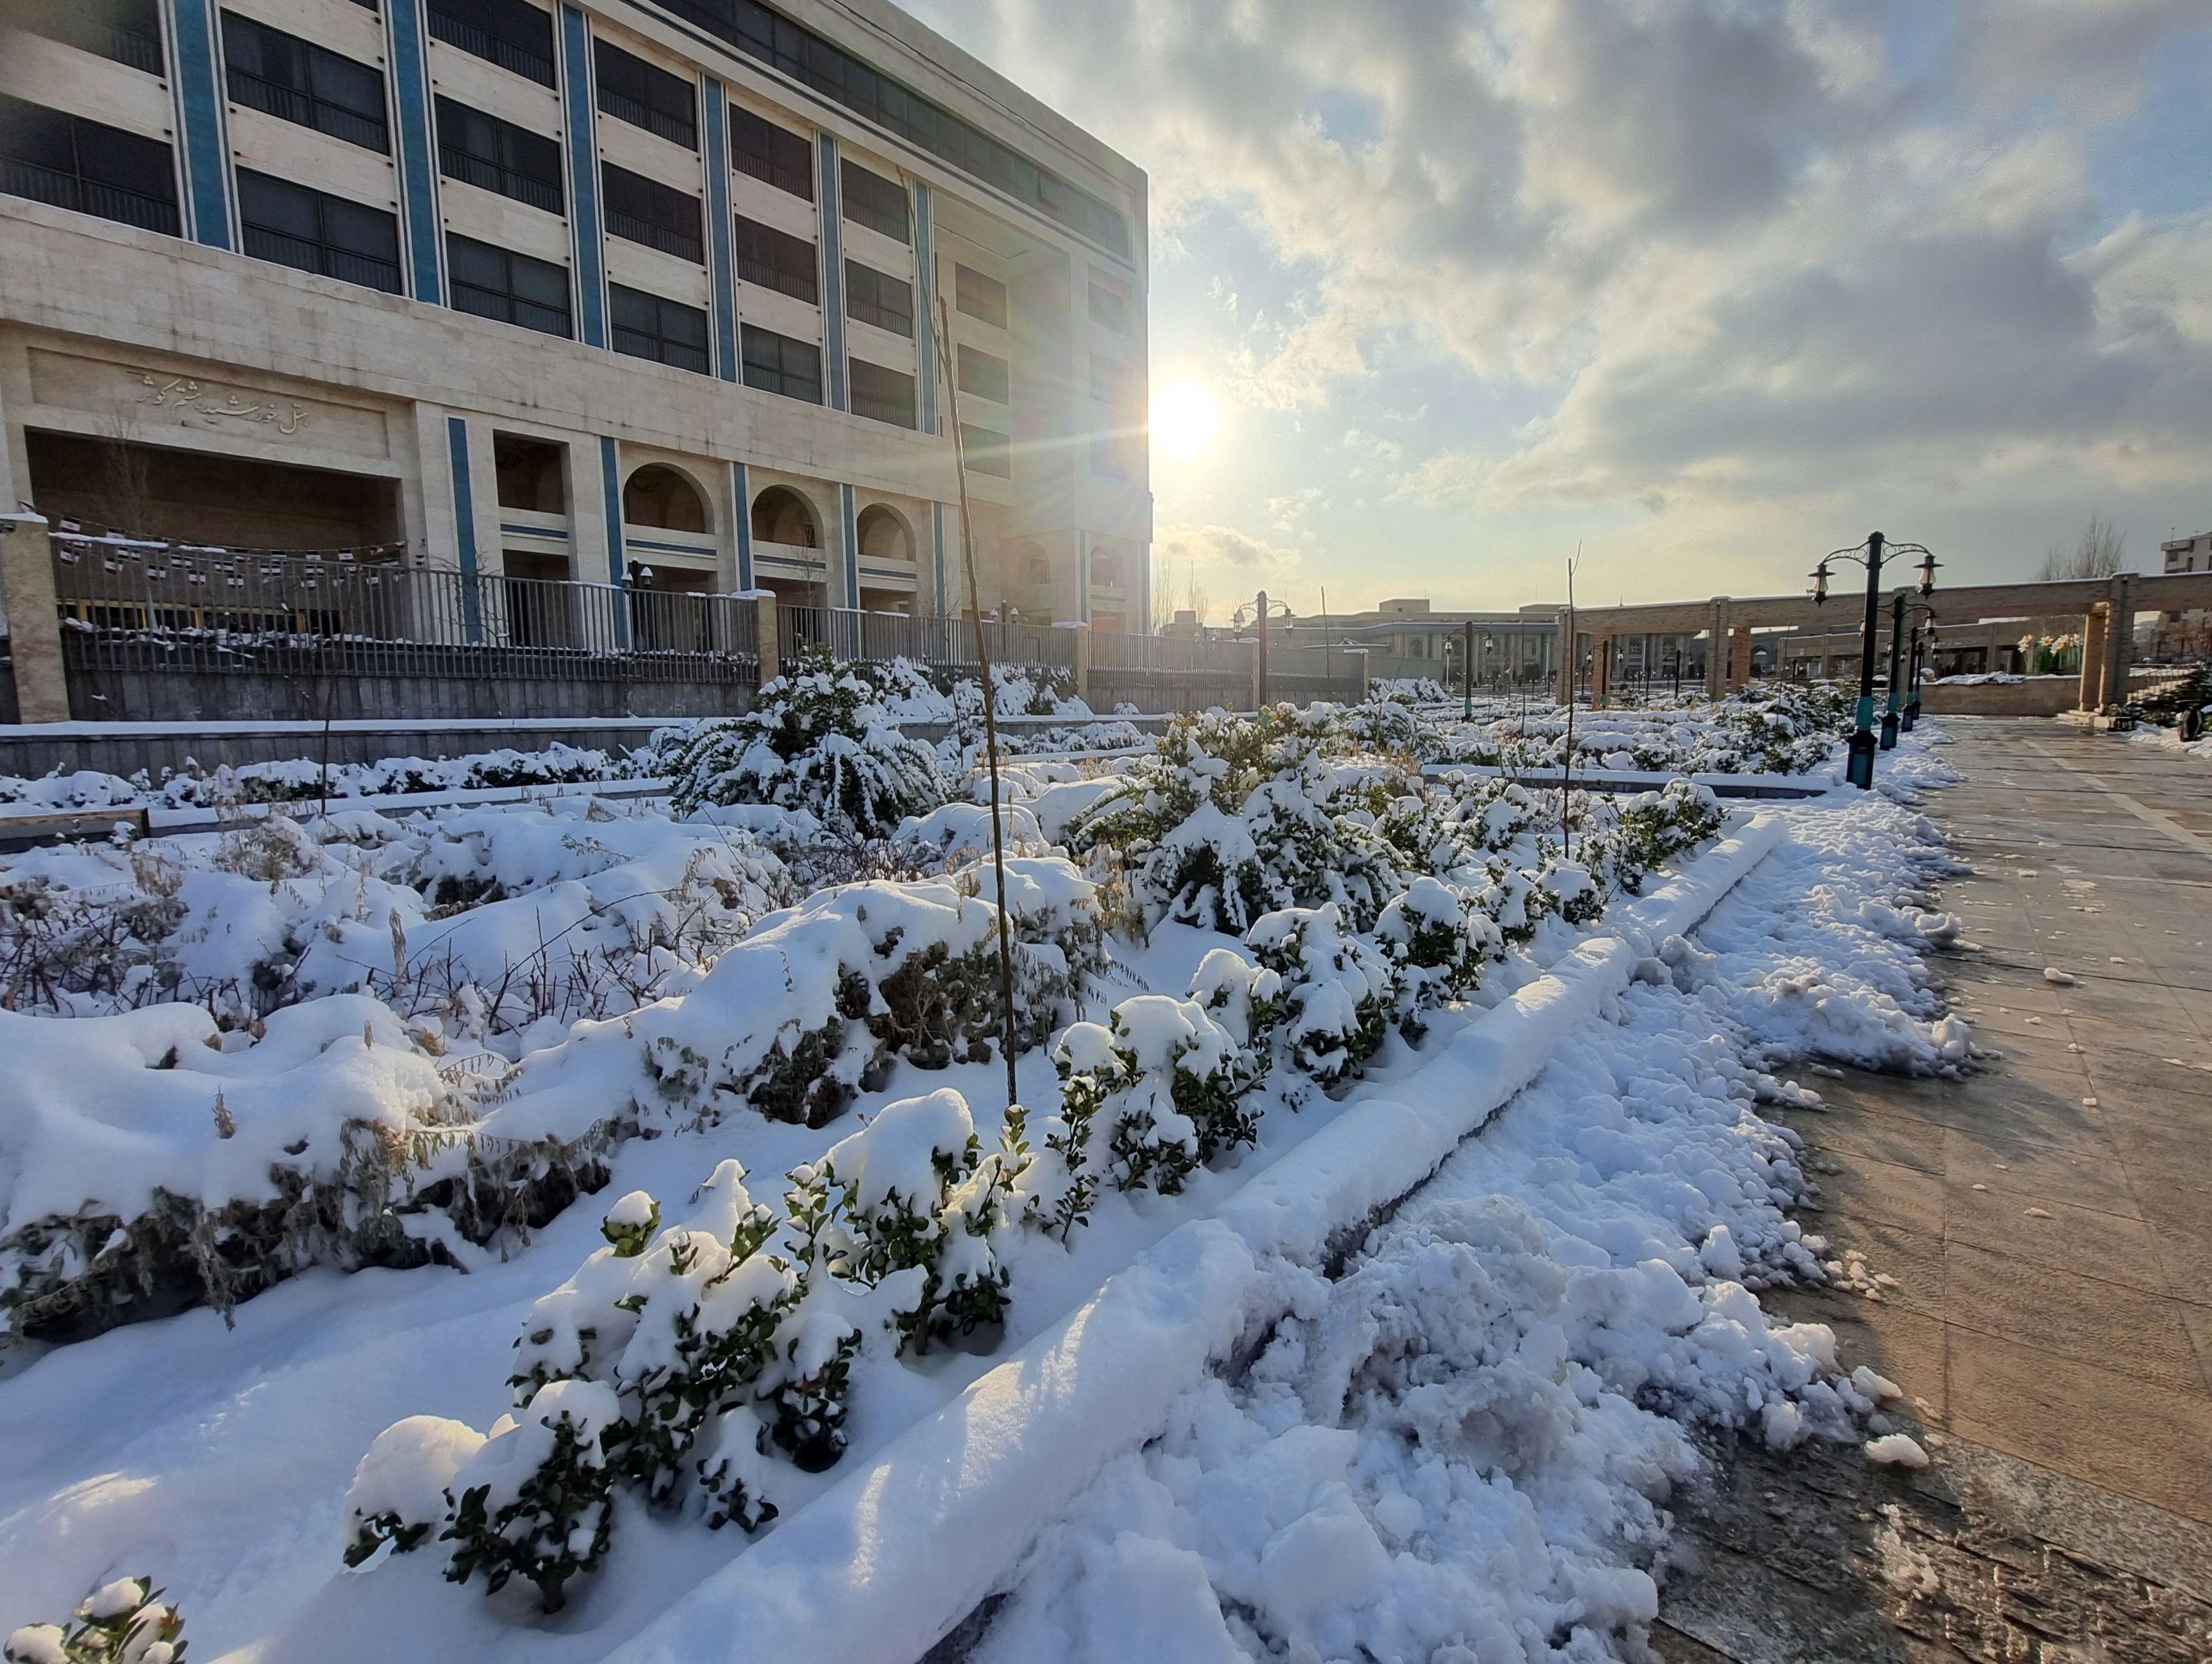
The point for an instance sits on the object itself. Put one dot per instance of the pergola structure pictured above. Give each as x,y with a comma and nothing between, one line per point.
2107,606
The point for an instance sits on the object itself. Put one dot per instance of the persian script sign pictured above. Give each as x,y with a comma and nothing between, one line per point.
183,393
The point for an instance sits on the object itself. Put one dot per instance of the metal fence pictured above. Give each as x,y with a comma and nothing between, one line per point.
136,604
1187,654
879,637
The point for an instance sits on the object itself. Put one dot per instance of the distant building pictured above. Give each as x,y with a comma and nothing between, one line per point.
2178,632
1409,636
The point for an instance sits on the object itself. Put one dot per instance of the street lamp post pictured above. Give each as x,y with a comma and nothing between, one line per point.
1913,663
1896,704
1859,768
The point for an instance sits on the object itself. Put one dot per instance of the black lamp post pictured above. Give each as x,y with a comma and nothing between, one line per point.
1913,671
1859,769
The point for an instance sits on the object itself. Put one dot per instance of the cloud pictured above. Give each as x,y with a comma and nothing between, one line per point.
1757,257
1219,566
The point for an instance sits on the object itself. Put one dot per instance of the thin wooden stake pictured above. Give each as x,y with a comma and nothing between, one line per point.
951,384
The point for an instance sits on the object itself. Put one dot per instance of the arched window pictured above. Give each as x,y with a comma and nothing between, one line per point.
661,496
883,535
780,516
1105,567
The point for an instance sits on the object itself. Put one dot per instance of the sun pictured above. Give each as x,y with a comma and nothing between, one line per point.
1184,417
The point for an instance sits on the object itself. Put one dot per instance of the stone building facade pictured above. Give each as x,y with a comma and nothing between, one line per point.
588,290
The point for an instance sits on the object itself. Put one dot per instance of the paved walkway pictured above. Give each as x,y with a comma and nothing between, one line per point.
2048,1223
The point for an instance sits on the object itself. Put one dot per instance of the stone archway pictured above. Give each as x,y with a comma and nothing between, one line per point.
666,498
884,535
781,515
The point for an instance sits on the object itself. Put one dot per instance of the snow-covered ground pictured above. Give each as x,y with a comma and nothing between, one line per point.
1470,1427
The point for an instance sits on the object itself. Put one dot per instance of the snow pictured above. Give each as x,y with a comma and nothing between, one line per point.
1621,1204
1896,1450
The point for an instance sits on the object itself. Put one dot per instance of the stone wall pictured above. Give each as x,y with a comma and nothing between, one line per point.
2039,695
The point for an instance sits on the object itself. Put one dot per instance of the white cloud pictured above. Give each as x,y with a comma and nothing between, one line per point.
1762,257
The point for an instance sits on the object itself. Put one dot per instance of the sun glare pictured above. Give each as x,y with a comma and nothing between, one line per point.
1183,420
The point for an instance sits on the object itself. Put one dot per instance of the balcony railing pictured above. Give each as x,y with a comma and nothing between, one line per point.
879,637
60,189
157,606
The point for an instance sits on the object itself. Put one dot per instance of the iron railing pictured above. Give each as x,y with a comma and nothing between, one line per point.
144,605
1189,655
879,637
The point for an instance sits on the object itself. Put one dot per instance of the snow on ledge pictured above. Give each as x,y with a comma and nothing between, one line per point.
877,1569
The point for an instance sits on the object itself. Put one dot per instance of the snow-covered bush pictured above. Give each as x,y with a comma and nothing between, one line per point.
1146,1099
1653,827
400,1491
124,1622
816,1004
533,1500
1439,939
1232,817
1339,992
150,1161
916,1191
816,740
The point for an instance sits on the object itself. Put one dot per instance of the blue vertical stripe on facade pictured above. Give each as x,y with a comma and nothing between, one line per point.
833,271
418,173
465,524
201,109
741,492
720,261
611,483
936,548
925,282
584,185
851,540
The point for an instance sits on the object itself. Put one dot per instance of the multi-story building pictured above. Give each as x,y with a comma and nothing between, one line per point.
2189,632
1408,637
575,289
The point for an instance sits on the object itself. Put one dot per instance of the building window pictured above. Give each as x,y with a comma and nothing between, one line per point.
1110,380
985,375
776,259
666,332
882,395
634,91
986,451
828,70
647,211
1107,307
514,288
777,364
67,161
125,31
876,297
482,150
979,297
512,33
774,154
295,80
315,232
875,202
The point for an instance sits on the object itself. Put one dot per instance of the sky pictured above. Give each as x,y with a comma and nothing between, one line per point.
1705,287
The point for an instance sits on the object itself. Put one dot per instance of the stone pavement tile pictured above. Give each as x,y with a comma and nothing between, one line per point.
2197,1319
2039,1057
2104,1428
2124,1330
2039,1172
1915,1260
2058,1235
1906,1345
1846,1131
2167,1205
1882,1192
2185,1254
2166,1153
2014,1114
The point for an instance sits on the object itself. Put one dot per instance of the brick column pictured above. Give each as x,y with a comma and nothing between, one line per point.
2120,639
1082,633
1563,656
27,581
1739,656
1716,647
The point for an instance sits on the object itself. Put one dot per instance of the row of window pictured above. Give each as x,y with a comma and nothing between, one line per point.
298,81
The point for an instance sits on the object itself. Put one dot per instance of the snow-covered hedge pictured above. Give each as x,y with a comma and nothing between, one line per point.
817,740
149,1162
684,1363
814,1006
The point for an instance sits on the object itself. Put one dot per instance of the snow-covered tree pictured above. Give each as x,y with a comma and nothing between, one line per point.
532,1503
1339,991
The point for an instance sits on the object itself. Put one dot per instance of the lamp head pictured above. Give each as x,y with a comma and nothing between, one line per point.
1927,572
1820,584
